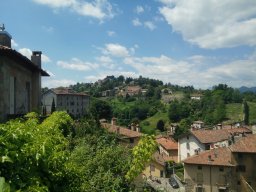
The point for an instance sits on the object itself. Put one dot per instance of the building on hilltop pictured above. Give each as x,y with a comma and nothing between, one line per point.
64,99
20,80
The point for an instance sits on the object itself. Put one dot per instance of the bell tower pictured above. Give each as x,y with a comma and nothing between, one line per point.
5,37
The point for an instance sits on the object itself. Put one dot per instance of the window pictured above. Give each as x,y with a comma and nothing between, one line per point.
199,167
241,168
238,182
240,156
199,189
131,140
187,137
207,147
161,173
188,146
152,167
221,169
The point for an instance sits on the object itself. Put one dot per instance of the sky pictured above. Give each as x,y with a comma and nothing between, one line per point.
184,42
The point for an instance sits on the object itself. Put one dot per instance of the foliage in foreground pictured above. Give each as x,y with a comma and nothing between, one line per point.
142,154
44,157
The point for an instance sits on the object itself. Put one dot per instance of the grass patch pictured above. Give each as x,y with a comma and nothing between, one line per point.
149,125
234,112
252,112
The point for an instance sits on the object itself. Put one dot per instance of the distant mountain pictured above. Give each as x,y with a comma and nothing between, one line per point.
246,89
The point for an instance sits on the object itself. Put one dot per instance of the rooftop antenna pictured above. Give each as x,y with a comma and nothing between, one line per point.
2,28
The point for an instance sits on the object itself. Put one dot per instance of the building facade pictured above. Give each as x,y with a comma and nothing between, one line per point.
64,99
201,140
20,80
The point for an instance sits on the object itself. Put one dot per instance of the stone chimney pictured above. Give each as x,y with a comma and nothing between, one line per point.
5,37
36,58
137,128
113,121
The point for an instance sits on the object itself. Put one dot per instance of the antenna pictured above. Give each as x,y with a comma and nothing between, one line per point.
2,28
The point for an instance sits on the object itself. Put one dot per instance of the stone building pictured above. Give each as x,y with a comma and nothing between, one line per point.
64,99
20,79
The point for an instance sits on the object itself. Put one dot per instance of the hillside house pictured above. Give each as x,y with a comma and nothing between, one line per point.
168,147
200,140
209,171
20,80
127,137
64,99
197,125
223,169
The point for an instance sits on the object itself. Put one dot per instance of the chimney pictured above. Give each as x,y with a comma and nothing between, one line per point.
137,128
113,121
36,58
118,130
209,158
5,37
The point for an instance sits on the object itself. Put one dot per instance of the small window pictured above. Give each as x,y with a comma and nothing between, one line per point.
131,140
152,167
187,137
199,167
241,168
240,156
238,182
221,169
188,146
161,173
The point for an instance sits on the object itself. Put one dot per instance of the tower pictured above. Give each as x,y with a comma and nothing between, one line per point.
5,37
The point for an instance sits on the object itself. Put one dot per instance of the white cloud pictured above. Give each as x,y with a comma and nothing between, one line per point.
115,50
77,64
27,53
14,44
136,22
197,70
99,9
104,59
212,24
111,33
139,9
150,25
53,83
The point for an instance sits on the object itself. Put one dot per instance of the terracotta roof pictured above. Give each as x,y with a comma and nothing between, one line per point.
168,144
246,144
217,157
21,59
66,91
213,136
122,130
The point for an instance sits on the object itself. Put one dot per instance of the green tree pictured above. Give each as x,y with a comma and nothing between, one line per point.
53,107
246,112
160,125
101,109
141,155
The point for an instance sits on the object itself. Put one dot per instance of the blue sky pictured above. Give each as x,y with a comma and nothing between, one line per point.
185,42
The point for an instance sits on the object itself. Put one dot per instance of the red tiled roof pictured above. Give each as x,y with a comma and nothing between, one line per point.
66,91
21,59
122,130
246,144
217,157
213,136
168,144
